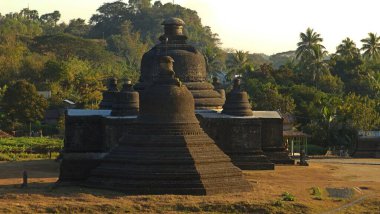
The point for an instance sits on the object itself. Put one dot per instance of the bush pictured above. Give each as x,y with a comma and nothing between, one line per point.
288,197
312,149
316,192
33,145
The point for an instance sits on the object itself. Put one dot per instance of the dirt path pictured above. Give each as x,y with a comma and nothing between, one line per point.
265,197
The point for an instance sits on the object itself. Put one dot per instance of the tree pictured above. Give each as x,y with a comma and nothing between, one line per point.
265,96
139,5
51,18
360,112
66,46
109,19
79,83
311,55
29,14
21,103
238,64
78,27
371,46
128,45
347,49
214,60
309,47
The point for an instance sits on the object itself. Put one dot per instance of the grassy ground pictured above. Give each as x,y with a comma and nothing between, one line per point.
306,184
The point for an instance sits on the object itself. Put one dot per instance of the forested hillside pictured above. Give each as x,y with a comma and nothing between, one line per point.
332,95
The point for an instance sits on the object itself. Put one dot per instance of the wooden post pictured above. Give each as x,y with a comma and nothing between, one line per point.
24,179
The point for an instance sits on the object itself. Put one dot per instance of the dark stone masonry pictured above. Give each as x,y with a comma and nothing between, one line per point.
166,151
171,135
190,66
109,95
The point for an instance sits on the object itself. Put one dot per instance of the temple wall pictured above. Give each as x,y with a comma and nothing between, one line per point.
89,136
368,147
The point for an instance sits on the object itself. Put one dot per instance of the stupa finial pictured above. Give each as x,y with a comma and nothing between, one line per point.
173,26
127,86
236,86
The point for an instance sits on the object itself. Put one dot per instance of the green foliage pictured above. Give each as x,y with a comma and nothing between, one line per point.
22,148
360,112
316,192
238,64
128,45
332,96
286,196
77,27
312,149
66,46
371,46
265,96
21,103
308,101
280,59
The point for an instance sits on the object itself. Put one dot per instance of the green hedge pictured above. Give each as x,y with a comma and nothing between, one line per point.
32,145
312,149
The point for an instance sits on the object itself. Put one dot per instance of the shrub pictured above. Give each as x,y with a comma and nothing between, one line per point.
286,196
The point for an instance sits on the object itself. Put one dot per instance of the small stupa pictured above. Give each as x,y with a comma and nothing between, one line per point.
190,66
166,151
109,95
126,101
237,103
219,87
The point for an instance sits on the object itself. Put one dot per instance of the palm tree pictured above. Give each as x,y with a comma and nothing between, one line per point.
309,47
311,53
347,49
237,63
371,46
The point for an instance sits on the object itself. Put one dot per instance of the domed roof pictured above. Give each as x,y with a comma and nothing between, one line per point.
126,101
167,100
237,103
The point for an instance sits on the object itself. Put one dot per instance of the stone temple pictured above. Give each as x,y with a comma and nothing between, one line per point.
166,151
167,127
190,66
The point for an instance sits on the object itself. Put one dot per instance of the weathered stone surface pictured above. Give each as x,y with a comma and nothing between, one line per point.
272,142
190,66
368,147
126,101
345,192
84,134
116,127
238,137
109,95
83,147
237,103
219,87
89,135
167,152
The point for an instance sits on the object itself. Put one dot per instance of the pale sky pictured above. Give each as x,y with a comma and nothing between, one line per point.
259,26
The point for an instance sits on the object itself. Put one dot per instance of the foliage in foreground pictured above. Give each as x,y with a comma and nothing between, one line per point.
32,145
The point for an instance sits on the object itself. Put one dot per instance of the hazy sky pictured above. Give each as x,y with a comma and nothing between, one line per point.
260,26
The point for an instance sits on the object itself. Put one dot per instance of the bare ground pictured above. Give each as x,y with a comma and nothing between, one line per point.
41,196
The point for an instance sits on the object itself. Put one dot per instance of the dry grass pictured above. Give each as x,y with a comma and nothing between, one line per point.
41,195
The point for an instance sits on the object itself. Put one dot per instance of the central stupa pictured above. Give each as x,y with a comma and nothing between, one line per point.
166,151
190,66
